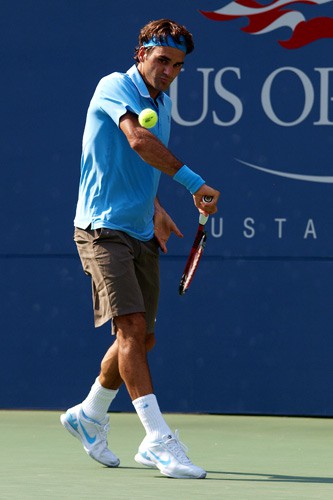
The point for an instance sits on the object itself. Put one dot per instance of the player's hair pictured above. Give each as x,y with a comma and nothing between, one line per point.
161,29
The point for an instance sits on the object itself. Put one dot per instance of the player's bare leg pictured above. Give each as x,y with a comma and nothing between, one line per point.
134,371
109,376
89,421
132,356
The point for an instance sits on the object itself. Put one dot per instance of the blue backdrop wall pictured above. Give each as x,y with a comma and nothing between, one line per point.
254,334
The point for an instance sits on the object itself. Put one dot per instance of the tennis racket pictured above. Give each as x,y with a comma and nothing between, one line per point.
195,253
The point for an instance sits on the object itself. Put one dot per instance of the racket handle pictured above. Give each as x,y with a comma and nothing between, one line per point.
204,218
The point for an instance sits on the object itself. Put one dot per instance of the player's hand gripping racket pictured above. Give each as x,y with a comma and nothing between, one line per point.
196,252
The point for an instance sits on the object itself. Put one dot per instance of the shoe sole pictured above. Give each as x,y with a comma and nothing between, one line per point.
203,475
74,433
142,461
149,463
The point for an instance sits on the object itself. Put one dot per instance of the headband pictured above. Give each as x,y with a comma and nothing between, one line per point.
167,41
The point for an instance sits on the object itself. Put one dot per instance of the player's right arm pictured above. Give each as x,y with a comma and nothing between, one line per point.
148,146
153,151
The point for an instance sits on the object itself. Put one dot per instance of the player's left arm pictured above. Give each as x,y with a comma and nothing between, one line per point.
164,226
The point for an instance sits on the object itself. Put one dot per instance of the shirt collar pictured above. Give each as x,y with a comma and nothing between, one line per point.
138,81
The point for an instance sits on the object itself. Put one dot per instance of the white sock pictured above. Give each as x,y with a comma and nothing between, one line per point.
97,403
151,417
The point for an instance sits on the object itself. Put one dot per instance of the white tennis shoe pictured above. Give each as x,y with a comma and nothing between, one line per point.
92,434
142,457
169,456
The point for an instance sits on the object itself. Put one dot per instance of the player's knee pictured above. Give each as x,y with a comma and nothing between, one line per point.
131,327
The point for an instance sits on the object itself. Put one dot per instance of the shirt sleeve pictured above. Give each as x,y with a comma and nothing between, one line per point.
115,96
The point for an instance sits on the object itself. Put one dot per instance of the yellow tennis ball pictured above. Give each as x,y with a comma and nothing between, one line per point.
148,118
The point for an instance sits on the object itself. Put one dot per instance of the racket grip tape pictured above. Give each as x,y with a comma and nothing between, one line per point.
203,219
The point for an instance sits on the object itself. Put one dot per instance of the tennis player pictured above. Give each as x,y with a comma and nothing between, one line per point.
119,228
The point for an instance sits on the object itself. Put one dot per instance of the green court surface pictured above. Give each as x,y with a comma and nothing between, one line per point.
245,457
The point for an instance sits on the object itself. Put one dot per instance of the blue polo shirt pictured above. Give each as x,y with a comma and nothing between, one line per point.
117,188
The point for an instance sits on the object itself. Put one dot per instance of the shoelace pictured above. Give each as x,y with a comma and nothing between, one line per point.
178,449
102,444
103,429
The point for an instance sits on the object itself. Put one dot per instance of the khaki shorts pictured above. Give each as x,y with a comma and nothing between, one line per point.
124,274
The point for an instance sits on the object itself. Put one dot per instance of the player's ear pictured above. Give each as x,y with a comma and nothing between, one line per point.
142,54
